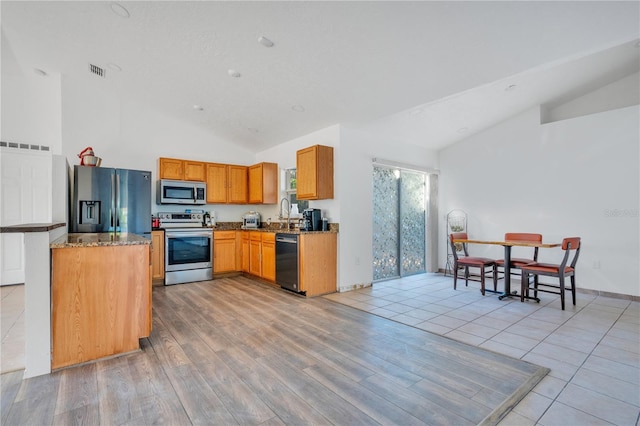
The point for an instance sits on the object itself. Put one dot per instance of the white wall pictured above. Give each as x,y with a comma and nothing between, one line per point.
619,94
358,147
577,177
132,135
30,104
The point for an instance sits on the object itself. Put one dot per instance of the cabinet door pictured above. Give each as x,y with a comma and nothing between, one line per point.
306,174
269,256
314,170
255,255
171,168
157,255
237,190
255,184
263,183
194,170
224,255
246,252
216,183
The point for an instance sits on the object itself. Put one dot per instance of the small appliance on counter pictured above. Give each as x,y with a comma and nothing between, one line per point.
311,220
251,220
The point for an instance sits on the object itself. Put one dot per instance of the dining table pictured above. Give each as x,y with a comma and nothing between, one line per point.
507,244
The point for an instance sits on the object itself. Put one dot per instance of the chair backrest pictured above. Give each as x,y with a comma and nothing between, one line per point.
569,244
523,236
458,236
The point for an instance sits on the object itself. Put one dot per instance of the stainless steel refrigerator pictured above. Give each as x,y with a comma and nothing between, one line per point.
111,200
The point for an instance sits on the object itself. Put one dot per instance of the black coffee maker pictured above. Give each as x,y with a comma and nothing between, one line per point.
311,220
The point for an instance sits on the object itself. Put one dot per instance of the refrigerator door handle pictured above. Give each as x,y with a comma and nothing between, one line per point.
113,203
117,202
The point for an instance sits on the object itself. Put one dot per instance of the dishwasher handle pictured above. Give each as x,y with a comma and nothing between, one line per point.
290,240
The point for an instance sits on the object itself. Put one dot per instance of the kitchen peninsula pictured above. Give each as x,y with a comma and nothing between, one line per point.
101,295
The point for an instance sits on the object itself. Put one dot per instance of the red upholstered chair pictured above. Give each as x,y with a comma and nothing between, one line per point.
467,262
518,262
560,271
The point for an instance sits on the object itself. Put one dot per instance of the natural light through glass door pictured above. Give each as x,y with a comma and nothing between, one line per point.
399,203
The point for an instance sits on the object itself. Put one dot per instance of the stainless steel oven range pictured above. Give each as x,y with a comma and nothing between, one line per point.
188,248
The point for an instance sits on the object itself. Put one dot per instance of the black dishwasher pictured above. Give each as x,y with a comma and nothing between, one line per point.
287,261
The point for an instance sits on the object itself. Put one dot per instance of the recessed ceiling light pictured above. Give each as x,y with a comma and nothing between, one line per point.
198,108
119,10
234,73
463,130
510,87
298,108
265,41
114,67
41,73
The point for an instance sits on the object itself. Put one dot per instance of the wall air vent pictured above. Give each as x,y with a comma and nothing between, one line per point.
94,69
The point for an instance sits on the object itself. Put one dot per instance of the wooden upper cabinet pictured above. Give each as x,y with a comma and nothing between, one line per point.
216,183
226,184
173,168
263,183
194,170
237,190
314,173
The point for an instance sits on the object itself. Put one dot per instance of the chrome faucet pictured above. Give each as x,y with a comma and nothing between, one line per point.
288,213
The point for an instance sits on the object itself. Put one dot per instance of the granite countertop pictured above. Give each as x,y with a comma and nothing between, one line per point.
273,227
99,240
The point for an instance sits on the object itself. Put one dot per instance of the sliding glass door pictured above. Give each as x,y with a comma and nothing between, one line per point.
399,205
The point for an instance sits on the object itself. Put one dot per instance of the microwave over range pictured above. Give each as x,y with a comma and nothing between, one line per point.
181,192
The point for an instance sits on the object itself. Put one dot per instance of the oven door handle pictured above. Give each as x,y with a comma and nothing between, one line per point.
171,234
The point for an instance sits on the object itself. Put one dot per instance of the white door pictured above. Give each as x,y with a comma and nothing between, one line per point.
25,196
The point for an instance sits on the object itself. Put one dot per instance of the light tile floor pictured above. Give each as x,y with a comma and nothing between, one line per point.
12,326
592,349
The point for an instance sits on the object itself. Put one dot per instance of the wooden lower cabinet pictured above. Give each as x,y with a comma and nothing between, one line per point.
255,253
317,260
157,255
245,251
224,251
101,301
269,256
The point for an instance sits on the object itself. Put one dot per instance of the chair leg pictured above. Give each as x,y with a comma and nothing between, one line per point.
524,284
573,289
482,280
466,276
455,276
495,277
562,291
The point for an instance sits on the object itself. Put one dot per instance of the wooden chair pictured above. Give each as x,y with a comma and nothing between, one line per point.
560,271
518,262
471,262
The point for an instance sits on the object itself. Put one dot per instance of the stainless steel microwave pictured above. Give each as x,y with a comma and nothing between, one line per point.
181,192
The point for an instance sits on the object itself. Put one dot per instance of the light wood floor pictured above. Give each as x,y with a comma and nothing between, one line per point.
232,351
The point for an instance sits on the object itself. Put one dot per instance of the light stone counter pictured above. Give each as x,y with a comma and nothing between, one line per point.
99,240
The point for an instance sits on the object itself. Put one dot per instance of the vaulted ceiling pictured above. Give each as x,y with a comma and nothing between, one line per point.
427,68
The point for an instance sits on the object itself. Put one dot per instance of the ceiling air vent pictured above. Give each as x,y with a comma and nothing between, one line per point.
94,69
